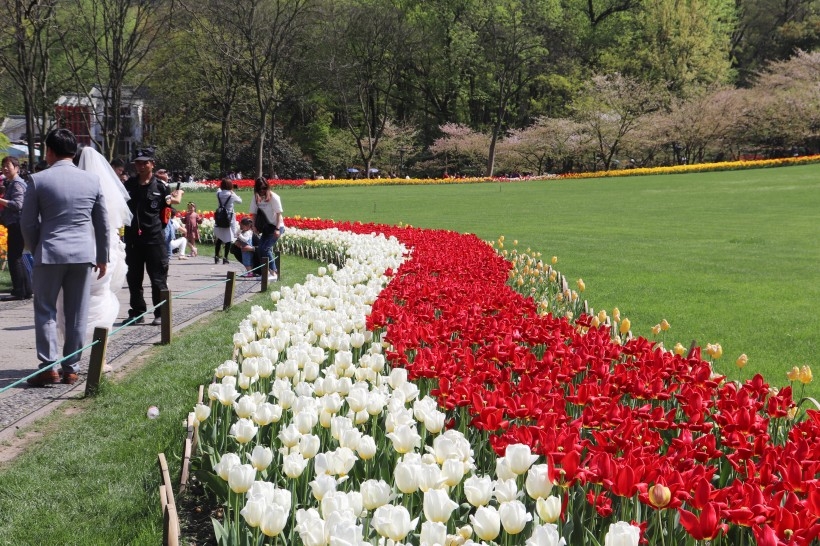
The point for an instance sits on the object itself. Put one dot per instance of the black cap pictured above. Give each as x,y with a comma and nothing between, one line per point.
145,154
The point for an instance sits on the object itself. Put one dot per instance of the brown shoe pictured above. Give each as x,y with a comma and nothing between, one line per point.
69,378
46,377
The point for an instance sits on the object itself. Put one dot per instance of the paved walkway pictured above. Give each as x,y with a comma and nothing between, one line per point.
18,358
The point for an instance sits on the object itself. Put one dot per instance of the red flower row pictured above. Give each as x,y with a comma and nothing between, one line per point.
616,419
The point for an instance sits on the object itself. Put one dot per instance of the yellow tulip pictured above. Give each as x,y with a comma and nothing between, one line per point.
793,374
805,375
656,329
741,361
659,495
554,260
664,325
625,325
602,316
616,314
679,349
581,285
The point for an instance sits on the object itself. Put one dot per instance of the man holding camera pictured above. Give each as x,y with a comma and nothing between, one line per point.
145,248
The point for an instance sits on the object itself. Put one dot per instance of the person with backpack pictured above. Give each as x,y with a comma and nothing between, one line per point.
150,203
225,227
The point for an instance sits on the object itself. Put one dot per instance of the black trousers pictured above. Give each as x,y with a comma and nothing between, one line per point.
20,276
141,259
217,245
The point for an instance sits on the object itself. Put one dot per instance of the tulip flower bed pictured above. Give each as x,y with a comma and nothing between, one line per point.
412,396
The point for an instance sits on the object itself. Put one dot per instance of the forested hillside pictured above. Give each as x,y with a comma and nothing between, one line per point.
287,87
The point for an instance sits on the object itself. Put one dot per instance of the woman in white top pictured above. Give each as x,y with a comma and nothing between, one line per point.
268,220
226,235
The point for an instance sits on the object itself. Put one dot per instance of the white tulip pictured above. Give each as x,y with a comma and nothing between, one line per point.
311,527
341,529
226,393
503,471
264,367
289,436
366,448
334,501
429,475
622,533
283,498
322,485
520,458
263,489
546,535
305,421
243,431
241,477
244,382
478,490
226,462
538,482
309,445
250,366
393,522
202,412
514,516
406,476
293,465
244,407
433,533
452,472
375,493
405,439
254,511
549,509
273,520
505,490
357,397
267,413
438,506
261,457
486,523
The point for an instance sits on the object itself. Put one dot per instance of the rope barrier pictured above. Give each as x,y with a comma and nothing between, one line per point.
125,324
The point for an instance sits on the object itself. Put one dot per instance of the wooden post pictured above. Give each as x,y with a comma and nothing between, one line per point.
165,317
230,286
265,270
96,361
170,519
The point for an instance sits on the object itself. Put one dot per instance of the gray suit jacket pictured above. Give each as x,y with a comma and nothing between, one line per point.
64,220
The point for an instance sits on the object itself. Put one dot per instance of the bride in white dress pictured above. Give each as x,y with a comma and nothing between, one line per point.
104,306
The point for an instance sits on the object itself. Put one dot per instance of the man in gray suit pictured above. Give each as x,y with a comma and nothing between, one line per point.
65,225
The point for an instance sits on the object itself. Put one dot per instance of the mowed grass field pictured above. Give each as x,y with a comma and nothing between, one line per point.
727,257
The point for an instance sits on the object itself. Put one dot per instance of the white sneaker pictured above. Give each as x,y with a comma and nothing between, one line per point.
273,277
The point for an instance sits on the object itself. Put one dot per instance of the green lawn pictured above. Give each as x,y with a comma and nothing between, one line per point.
728,257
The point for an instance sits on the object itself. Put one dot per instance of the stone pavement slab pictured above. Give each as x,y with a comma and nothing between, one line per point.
18,358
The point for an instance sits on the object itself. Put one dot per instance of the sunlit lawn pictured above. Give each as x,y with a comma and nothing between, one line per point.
729,257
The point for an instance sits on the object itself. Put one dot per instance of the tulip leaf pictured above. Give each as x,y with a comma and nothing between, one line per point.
214,483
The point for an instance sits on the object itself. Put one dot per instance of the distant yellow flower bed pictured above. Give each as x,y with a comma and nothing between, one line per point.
676,169
701,167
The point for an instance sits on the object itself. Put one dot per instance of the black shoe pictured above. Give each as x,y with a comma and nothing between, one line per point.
216,260
132,321
12,298
224,261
